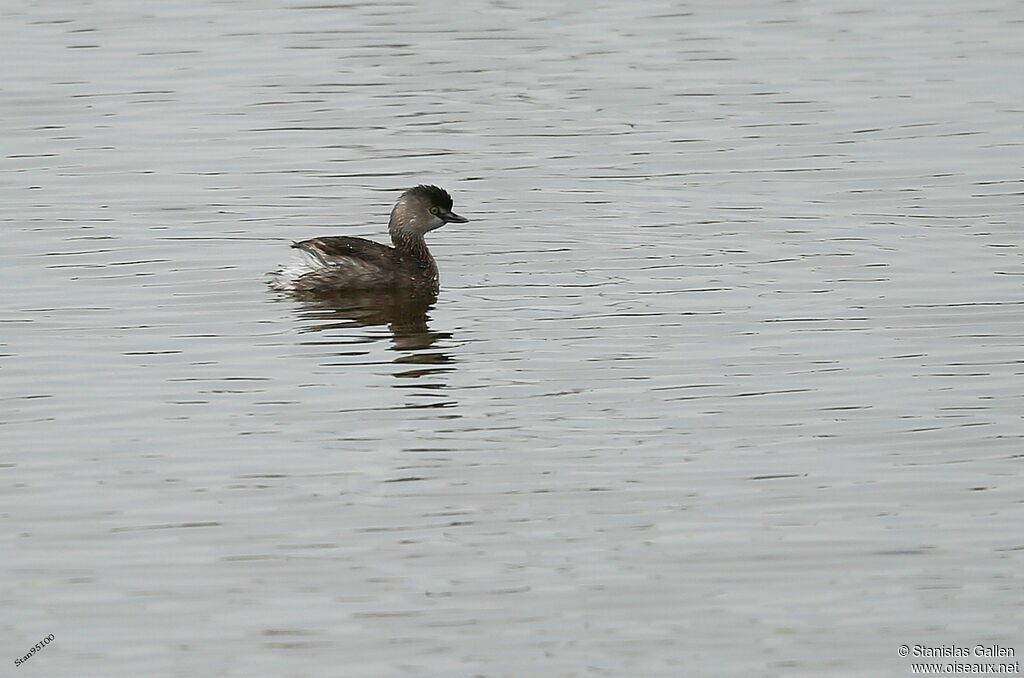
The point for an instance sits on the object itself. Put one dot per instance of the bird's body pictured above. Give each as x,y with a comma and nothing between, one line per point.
339,263
336,262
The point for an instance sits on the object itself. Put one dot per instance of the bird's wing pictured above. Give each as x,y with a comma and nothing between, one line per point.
343,250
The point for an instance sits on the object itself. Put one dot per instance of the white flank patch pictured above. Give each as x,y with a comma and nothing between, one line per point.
302,262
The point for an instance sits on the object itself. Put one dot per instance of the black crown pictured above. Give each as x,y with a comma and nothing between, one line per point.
435,195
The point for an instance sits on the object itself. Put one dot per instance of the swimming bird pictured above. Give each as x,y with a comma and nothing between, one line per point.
336,264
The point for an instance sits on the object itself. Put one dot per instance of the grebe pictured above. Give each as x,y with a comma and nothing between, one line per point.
339,263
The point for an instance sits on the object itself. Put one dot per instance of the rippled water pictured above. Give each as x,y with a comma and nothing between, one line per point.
724,378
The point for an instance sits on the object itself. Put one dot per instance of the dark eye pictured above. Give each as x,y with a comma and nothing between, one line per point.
434,210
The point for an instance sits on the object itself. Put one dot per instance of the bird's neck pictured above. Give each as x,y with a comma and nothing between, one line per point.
411,244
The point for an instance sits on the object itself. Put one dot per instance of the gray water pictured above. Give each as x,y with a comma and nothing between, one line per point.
723,380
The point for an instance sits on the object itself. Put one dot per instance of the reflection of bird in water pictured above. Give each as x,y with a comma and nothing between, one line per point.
341,263
404,312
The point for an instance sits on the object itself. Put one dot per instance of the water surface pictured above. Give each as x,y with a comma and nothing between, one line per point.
724,377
